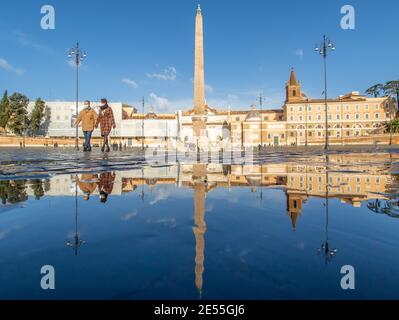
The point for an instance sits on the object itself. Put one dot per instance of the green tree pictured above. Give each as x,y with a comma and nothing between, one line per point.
391,88
37,187
13,192
394,124
375,90
18,119
37,116
4,111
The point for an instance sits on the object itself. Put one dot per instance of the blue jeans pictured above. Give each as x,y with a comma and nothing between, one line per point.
87,135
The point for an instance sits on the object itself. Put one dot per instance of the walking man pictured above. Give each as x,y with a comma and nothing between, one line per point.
88,117
106,121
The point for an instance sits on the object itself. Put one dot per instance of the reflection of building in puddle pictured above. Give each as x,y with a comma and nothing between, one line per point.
353,180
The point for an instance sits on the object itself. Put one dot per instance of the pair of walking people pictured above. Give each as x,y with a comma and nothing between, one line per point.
91,120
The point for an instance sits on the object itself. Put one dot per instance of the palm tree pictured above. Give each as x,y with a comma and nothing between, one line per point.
394,125
391,88
375,90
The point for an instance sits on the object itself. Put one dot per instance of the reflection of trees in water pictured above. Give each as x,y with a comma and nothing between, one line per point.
37,186
13,191
388,207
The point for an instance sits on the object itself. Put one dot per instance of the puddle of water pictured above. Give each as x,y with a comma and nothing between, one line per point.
279,228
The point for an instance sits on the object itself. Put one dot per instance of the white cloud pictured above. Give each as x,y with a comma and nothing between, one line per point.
5,65
208,88
169,74
232,97
130,83
299,53
129,216
159,102
160,195
25,41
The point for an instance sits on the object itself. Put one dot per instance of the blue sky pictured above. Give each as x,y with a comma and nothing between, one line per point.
146,48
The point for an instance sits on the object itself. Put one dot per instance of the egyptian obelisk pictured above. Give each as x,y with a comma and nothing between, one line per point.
199,117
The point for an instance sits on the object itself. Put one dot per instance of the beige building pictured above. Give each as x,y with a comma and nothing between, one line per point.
350,115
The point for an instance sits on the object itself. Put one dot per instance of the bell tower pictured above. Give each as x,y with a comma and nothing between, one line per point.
293,89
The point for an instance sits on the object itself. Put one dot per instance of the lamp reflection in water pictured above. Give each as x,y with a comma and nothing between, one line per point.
325,247
76,243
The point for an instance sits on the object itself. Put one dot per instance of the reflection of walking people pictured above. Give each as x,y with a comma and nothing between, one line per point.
105,185
106,121
87,184
88,117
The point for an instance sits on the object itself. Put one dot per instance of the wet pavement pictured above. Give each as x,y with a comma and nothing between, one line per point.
277,225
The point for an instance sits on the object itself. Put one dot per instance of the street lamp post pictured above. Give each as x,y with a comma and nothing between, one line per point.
76,242
142,125
77,55
325,249
390,121
323,51
261,120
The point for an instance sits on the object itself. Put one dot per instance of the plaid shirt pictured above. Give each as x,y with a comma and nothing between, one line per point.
106,120
106,182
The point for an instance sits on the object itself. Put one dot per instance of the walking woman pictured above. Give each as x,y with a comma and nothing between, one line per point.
106,121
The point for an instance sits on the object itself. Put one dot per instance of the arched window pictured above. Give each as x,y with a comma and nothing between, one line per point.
357,129
294,93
